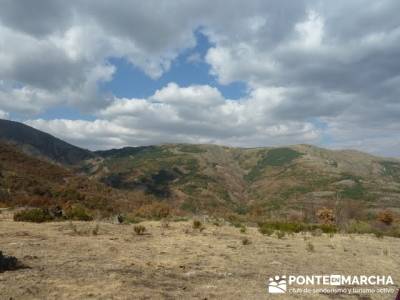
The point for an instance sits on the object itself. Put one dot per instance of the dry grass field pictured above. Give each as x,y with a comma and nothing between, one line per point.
107,261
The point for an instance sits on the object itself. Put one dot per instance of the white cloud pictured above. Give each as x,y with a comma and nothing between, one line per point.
170,115
312,68
4,114
194,95
89,134
311,31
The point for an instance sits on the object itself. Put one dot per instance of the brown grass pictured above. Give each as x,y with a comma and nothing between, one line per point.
169,264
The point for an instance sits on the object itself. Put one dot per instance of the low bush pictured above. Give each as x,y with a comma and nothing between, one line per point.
36,215
156,210
280,234
394,231
386,217
359,227
217,223
131,219
326,216
96,229
283,226
266,230
293,227
236,224
246,241
316,232
83,230
327,228
9,263
78,213
197,224
379,234
310,247
376,228
139,229
164,223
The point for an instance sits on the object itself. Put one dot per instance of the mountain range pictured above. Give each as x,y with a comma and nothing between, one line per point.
39,169
41,144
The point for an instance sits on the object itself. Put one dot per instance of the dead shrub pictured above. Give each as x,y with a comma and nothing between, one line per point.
246,241
139,229
165,224
316,232
83,230
280,234
78,213
9,263
310,247
156,210
325,216
36,215
197,224
96,229
295,216
385,217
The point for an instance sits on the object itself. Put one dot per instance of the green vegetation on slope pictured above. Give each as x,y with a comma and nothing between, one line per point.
391,169
275,158
191,149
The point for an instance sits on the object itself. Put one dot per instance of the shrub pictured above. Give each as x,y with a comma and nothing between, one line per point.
266,230
325,216
78,213
217,223
96,229
37,215
292,227
327,228
164,224
394,231
236,224
139,229
179,219
243,229
316,232
359,227
197,224
280,234
386,217
378,234
283,226
131,219
73,228
246,241
9,263
310,247
156,210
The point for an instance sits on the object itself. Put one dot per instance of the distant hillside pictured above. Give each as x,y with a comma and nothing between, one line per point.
27,180
38,143
197,179
208,178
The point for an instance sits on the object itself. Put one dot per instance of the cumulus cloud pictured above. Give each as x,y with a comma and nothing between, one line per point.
315,70
195,114
3,114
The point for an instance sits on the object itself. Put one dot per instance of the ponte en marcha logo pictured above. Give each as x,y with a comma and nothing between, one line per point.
334,283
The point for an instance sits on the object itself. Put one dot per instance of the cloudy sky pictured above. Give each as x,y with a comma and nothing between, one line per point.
104,74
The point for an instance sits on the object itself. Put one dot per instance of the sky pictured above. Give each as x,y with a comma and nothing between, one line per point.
107,74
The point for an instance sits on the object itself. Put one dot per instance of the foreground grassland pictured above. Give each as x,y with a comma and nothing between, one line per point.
179,260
